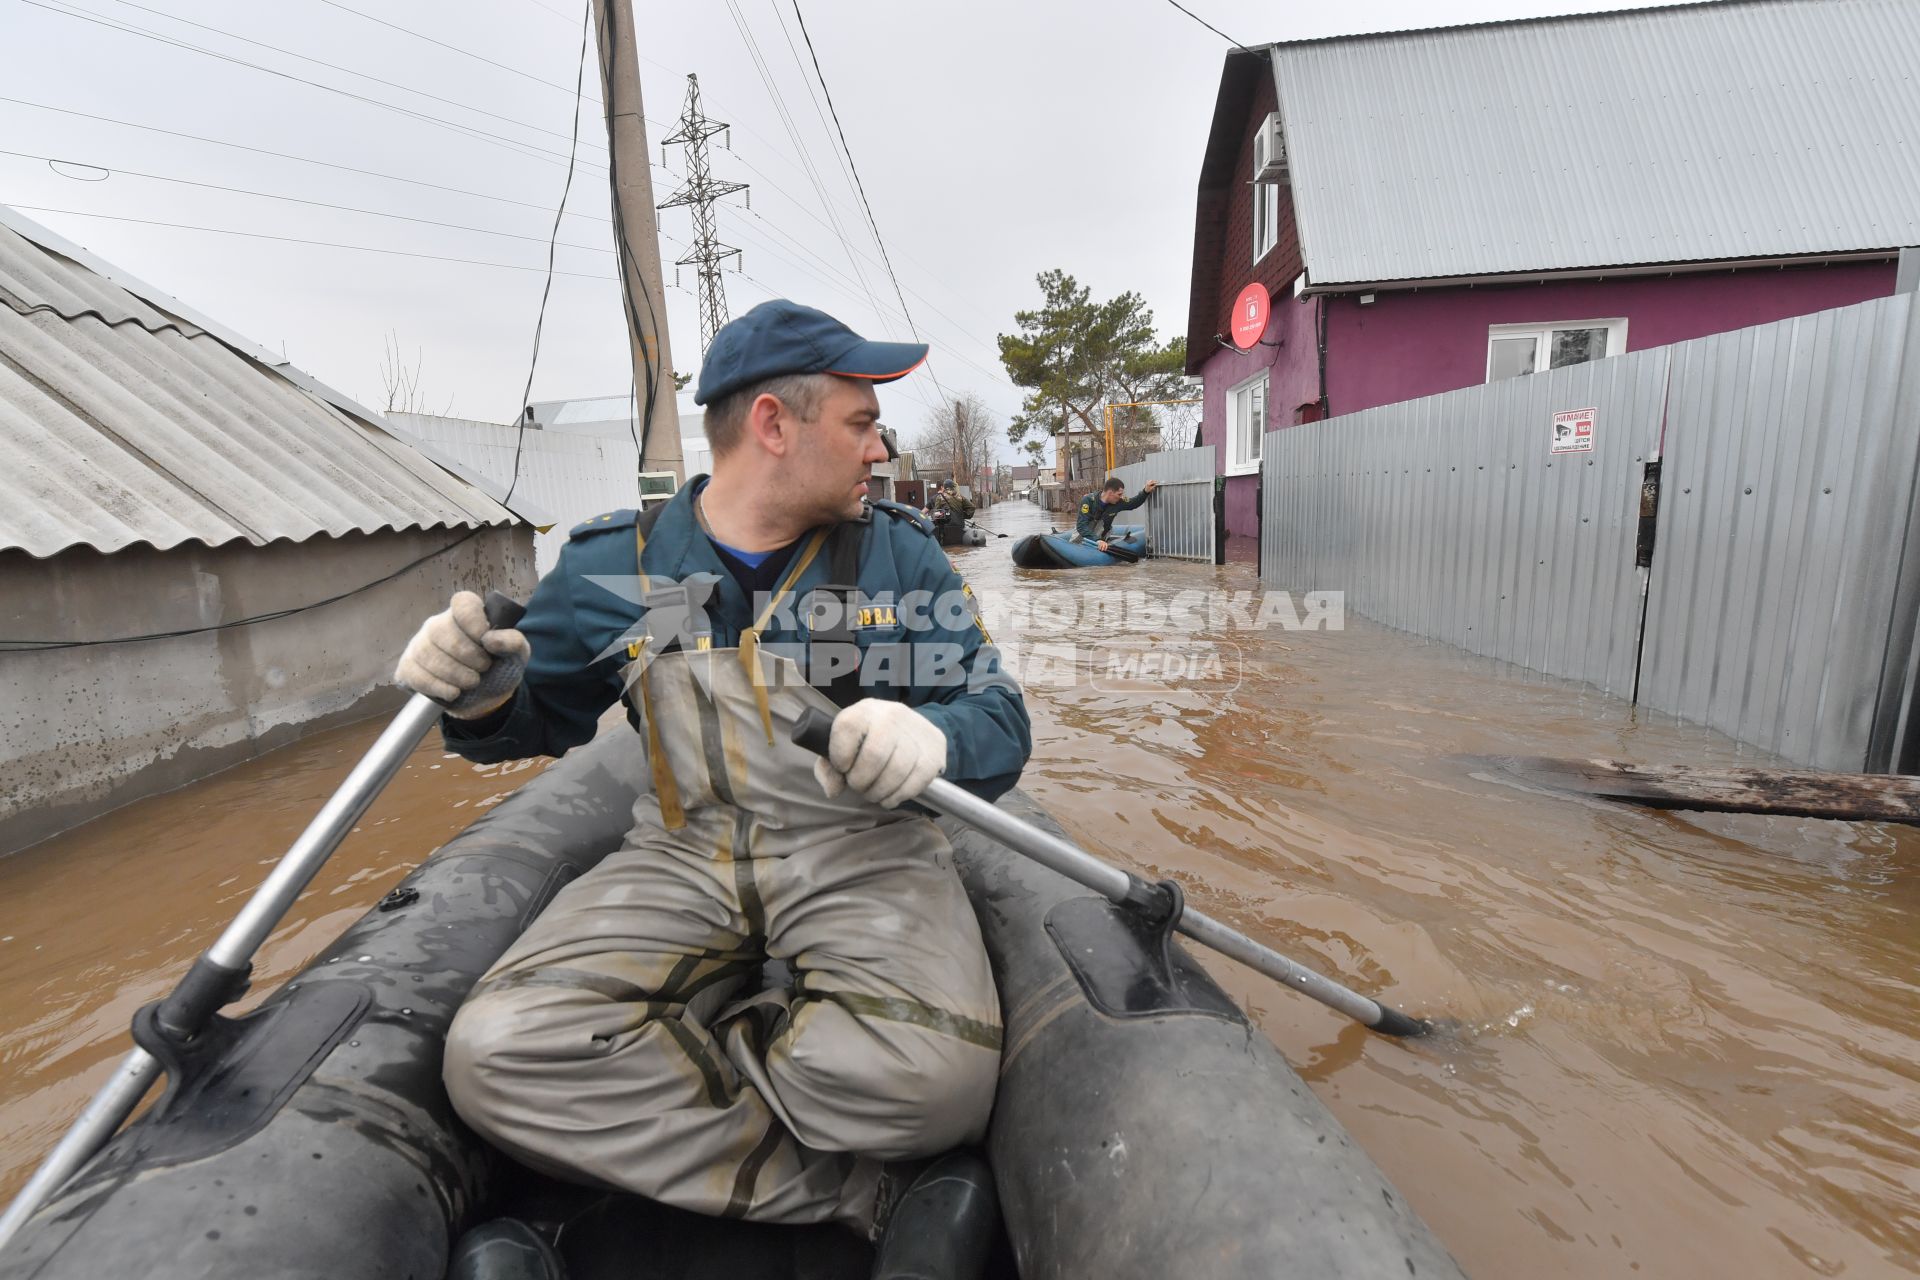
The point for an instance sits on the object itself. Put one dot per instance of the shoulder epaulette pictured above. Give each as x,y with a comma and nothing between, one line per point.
600,524
900,511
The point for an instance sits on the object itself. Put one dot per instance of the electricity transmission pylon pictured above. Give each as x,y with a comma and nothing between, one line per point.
699,195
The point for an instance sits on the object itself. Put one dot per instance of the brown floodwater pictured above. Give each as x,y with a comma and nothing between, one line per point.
1691,1042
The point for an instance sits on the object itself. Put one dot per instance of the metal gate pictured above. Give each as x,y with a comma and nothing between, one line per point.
1183,516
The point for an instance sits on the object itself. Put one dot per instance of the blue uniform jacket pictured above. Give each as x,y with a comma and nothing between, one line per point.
572,621
1096,517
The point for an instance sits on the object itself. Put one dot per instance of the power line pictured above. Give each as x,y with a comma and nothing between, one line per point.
318,204
799,145
819,112
454,48
960,328
553,239
774,150
390,177
861,187
823,265
678,74
799,205
530,150
790,244
333,66
283,155
324,244
1208,25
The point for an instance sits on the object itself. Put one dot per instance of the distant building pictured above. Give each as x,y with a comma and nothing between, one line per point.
1425,210
615,422
204,552
1079,466
572,477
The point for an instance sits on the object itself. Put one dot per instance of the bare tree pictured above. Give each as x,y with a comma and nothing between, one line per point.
958,437
402,383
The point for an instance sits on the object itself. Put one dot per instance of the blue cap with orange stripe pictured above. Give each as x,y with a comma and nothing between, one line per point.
781,337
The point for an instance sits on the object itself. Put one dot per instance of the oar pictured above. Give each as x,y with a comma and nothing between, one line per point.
815,729
219,975
1113,548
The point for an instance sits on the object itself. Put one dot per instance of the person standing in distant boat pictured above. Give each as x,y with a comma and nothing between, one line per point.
952,501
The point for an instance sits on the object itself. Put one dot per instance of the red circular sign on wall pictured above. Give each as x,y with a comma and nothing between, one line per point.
1250,311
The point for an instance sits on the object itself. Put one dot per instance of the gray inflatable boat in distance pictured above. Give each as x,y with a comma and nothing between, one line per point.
1143,1128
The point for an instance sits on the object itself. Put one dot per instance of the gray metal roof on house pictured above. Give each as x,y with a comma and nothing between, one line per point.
126,418
1729,131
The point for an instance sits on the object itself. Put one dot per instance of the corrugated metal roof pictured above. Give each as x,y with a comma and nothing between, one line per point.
1749,129
123,421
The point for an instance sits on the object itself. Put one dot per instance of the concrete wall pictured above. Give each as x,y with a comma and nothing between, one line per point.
86,729
1407,344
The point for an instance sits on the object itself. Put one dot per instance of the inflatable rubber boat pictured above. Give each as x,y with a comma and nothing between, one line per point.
1058,551
959,533
1143,1128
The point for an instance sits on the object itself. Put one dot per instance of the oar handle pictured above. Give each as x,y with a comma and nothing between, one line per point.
503,614
814,730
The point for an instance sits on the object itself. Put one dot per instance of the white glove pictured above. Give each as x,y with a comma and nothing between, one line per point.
885,750
452,650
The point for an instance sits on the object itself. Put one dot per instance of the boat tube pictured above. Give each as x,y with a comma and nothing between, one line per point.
1143,1127
1058,551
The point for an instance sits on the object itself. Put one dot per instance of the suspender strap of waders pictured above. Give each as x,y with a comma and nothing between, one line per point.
750,638
833,657
666,788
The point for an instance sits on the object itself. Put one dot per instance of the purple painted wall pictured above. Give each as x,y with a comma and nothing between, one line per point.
1408,344
1293,379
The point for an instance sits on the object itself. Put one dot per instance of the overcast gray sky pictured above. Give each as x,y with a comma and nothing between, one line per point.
995,140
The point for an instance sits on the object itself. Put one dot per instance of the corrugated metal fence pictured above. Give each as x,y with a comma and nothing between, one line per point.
1785,574
1783,600
1449,517
1181,517
574,477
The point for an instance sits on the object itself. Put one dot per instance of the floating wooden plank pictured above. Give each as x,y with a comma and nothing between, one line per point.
1867,797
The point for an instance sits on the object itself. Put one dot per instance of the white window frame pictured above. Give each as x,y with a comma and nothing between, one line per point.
1237,464
1543,333
1266,195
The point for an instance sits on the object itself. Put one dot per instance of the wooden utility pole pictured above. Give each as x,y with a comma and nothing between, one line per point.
633,214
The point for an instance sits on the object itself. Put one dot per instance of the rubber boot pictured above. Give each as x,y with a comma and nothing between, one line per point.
943,1225
504,1249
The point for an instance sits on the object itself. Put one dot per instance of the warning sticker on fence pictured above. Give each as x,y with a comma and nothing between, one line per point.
1573,431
